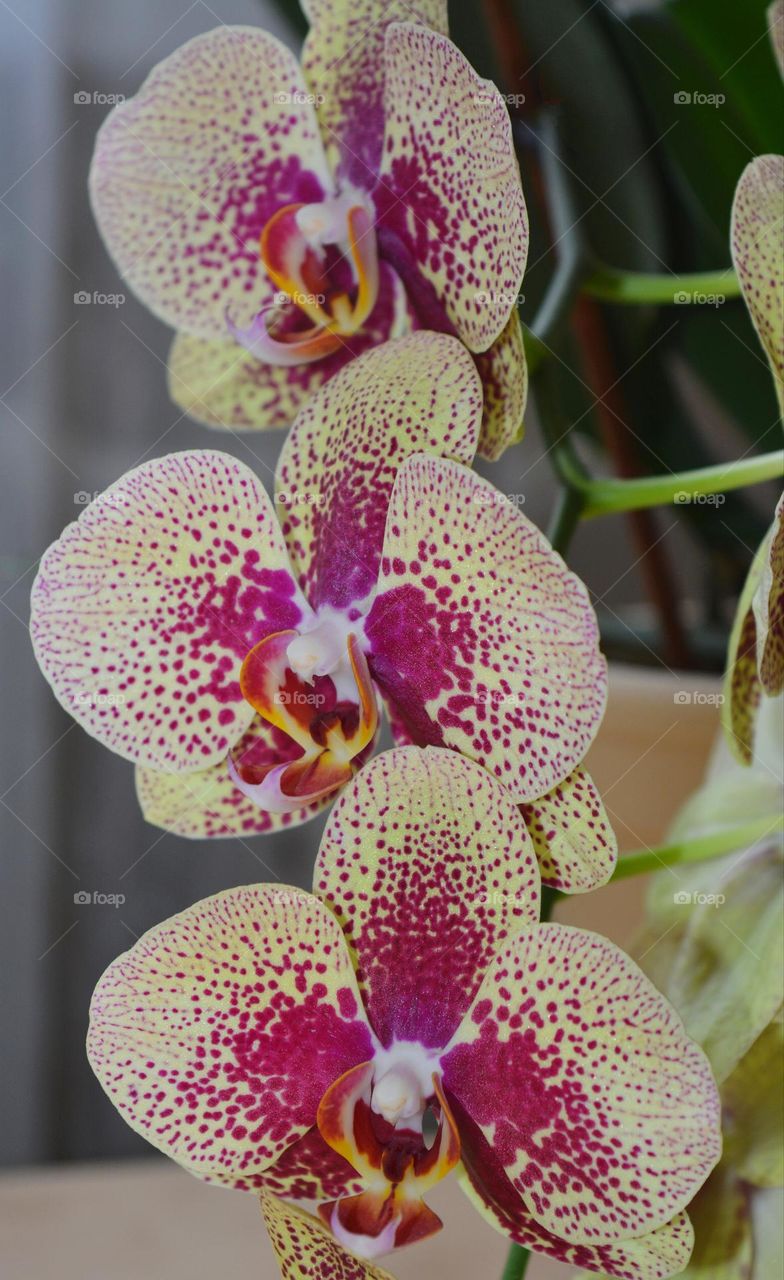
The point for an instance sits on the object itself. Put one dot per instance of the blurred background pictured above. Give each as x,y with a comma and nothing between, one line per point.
618,146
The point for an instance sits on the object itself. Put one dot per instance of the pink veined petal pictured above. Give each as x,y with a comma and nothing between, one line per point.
145,607
603,1114
219,383
574,842
307,1250
216,1035
187,173
343,61
480,635
429,867
652,1256
504,375
338,466
449,191
757,241
206,803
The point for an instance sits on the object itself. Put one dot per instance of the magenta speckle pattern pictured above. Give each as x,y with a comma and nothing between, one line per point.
343,61
574,841
306,1250
219,137
338,466
449,185
145,607
217,1035
655,1255
482,624
205,804
618,1125
428,867
757,240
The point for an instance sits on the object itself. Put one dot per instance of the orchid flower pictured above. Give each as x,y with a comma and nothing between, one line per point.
302,1044
181,624
284,218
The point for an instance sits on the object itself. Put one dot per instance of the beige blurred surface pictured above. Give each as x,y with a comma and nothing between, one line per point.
147,1219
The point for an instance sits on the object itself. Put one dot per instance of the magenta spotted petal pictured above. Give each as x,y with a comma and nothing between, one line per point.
574,841
144,609
757,240
480,635
205,803
614,1122
449,201
217,1035
655,1255
306,1250
343,61
188,172
338,466
429,868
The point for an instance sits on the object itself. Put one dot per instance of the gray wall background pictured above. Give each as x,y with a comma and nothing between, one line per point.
83,401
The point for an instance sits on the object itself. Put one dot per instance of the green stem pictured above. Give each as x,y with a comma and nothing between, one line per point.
566,518
605,496
638,288
728,840
516,1263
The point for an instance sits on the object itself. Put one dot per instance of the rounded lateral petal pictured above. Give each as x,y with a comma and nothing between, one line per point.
450,188
480,634
338,466
757,242
653,1256
306,1250
504,375
603,1114
343,60
187,173
742,687
145,607
574,842
206,803
219,383
216,1035
428,866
